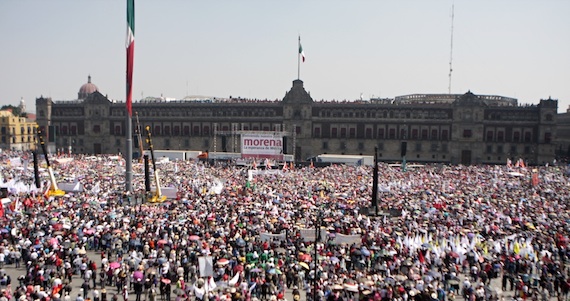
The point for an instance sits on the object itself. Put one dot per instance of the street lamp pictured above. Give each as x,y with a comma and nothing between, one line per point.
318,220
403,150
375,182
317,224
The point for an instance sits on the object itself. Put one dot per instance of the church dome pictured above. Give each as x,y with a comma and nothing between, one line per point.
87,89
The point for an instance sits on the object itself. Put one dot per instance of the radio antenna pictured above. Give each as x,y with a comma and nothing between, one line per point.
451,49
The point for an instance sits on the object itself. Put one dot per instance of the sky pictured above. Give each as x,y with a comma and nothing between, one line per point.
249,48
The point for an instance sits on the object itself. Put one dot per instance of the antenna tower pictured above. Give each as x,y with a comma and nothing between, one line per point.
451,50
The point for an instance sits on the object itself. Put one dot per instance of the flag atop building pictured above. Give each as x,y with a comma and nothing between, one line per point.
130,53
300,56
301,52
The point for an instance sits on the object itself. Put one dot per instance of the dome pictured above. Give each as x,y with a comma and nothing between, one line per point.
87,89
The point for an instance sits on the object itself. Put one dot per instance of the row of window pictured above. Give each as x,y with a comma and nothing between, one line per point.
13,120
381,133
23,130
513,150
65,112
167,130
174,113
334,132
167,144
205,130
28,139
434,147
326,113
326,146
209,113
339,113
499,136
506,116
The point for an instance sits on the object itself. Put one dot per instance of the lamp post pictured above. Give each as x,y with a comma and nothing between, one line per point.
403,150
375,182
317,238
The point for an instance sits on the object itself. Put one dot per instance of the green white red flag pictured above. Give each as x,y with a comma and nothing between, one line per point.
130,53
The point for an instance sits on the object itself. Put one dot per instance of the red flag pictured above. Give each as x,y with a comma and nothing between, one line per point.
534,179
421,256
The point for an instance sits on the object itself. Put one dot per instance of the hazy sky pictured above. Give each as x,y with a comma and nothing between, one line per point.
247,48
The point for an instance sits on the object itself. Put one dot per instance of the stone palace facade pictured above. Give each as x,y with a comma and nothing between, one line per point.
449,128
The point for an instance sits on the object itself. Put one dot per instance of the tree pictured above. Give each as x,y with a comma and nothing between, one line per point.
15,110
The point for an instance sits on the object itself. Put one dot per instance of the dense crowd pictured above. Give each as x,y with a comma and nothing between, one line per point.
442,233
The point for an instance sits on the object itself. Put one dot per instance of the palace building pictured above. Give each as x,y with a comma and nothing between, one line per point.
449,128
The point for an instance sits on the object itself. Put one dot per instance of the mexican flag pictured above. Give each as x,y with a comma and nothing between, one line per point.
130,53
301,52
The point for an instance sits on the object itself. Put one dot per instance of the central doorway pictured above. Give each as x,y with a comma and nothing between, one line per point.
466,157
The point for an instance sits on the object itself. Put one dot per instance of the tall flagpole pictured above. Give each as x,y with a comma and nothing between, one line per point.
129,84
299,59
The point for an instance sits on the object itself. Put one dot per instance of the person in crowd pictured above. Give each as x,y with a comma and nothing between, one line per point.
441,231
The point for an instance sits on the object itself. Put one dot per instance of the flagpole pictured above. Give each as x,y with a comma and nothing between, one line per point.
299,59
129,86
129,156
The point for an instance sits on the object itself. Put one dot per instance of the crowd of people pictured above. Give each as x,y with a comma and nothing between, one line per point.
438,233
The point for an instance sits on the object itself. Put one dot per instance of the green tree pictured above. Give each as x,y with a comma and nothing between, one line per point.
15,110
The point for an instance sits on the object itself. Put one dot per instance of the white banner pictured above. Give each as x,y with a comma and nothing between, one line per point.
309,234
71,187
265,172
206,266
341,239
15,162
265,236
257,145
